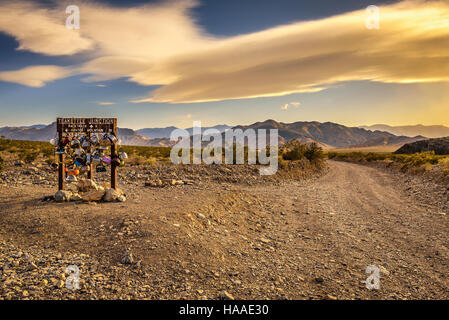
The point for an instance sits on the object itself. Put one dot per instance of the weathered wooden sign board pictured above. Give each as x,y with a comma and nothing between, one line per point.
87,126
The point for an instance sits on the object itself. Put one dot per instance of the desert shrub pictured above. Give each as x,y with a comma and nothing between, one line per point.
295,151
298,151
21,146
48,152
1,164
151,161
313,152
421,161
13,149
129,150
137,160
445,164
236,149
50,161
147,152
142,160
29,156
332,155
283,164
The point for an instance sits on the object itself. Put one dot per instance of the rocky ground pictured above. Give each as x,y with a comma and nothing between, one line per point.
226,232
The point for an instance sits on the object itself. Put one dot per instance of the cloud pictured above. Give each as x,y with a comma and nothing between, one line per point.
101,85
35,76
40,30
103,103
286,106
303,57
161,45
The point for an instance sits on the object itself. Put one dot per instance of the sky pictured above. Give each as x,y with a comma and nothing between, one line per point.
164,63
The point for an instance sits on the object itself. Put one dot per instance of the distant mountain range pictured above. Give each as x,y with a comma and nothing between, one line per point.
38,133
156,133
153,133
327,134
332,135
412,131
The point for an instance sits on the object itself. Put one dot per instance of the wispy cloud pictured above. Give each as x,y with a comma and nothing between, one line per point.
40,30
101,85
35,76
105,103
286,106
192,66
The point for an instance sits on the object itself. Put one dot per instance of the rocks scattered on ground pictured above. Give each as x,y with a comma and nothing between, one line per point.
158,183
63,195
94,195
18,173
226,296
384,271
127,258
252,242
89,191
48,198
156,176
111,195
160,176
76,197
19,163
86,185
37,273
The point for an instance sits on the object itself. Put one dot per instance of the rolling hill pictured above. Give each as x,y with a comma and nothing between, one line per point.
411,131
438,145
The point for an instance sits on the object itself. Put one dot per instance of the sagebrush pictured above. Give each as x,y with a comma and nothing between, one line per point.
422,159
298,151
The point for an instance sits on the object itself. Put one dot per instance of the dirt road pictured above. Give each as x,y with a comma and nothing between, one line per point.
356,216
310,239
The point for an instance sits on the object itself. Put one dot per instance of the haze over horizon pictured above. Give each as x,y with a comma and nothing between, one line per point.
165,63
240,124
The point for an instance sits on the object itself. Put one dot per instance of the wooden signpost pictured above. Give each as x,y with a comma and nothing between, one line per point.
87,126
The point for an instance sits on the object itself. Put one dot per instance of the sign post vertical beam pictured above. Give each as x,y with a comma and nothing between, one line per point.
61,167
113,156
90,174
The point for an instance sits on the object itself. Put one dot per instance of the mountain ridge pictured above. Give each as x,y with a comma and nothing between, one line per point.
431,131
326,134
331,134
166,131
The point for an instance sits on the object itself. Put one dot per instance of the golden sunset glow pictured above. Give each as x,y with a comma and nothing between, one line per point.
162,45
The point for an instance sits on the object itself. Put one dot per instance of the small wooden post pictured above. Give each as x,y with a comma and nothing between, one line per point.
113,155
90,174
61,166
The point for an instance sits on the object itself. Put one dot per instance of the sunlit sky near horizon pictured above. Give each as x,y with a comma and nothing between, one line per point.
163,63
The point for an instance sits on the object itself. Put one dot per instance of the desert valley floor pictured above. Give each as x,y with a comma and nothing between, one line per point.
302,239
